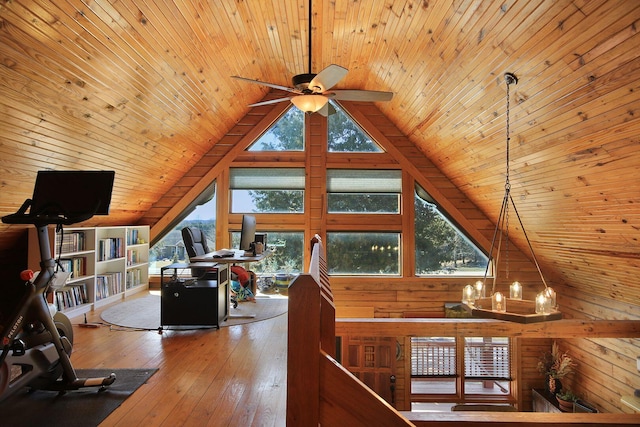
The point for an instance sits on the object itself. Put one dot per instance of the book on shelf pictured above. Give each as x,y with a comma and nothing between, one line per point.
132,237
108,284
71,296
134,278
76,266
70,242
132,256
110,248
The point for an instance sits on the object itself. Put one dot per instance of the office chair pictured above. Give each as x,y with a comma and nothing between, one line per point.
195,243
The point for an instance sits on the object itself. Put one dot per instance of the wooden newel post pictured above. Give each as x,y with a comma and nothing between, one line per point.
303,355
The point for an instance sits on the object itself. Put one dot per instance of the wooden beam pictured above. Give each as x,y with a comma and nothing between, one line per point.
568,328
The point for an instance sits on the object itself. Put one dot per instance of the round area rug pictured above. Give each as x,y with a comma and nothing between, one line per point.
144,312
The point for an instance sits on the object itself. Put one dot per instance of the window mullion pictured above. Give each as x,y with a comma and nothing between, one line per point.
460,360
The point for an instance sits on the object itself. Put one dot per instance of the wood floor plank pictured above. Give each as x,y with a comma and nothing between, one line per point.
228,377
254,405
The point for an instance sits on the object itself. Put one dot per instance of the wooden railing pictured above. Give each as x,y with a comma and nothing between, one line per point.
319,390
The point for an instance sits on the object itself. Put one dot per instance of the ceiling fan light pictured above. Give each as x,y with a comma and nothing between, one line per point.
309,103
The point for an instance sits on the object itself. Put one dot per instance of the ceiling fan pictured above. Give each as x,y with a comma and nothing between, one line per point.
311,92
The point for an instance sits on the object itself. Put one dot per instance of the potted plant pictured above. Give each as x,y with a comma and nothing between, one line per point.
566,399
555,366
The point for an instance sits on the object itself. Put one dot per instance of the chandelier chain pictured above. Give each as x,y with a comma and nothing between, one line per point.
507,183
507,187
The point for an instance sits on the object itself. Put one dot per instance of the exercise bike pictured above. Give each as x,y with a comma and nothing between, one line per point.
36,339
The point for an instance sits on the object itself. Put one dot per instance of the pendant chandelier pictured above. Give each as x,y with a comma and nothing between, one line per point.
498,305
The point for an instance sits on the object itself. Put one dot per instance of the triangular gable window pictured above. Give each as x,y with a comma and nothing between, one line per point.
287,134
345,136
441,247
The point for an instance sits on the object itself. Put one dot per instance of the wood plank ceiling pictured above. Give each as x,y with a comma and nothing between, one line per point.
144,87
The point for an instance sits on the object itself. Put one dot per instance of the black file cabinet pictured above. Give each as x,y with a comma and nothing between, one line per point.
195,302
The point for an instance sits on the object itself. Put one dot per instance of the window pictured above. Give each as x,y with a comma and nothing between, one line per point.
433,365
344,135
441,248
363,253
267,190
288,250
435,368
287,134
170,249
363,191
275,272
486,365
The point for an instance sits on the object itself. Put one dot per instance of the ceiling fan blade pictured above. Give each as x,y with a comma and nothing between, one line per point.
327,78
359,95
272,101
275,86
324,111
327,110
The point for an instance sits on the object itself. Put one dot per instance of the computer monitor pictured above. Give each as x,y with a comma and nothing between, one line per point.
72,193
248,232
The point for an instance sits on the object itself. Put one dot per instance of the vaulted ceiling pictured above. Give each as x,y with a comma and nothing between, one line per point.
145,88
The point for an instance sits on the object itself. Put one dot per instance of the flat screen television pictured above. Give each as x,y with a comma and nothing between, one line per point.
248,232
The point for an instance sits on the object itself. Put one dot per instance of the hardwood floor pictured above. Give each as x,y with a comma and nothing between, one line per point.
235,376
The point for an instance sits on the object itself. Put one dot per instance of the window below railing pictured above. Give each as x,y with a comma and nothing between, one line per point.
474,369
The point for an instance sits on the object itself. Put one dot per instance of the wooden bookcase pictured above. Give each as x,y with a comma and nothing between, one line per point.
107,264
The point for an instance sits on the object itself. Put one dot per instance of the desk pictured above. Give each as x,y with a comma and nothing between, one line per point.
236,259
230,260
194,301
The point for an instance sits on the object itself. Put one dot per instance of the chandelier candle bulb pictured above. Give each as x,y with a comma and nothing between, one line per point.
515,291
543,304
551,294
480,290
498,302
468,294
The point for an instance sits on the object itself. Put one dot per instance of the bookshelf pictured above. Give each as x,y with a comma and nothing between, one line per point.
107,264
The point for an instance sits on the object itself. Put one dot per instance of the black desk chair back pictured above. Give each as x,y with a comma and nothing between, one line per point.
195,243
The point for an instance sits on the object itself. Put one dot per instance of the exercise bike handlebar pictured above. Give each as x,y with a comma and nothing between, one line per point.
22,217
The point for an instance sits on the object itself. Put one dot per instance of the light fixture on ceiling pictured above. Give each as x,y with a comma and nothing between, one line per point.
309,103
498,305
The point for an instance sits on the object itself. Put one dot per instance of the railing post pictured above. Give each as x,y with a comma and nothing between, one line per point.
303,354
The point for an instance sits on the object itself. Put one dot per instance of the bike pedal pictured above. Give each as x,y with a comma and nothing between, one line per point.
89,325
